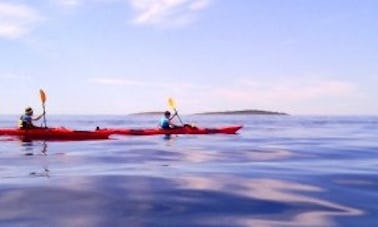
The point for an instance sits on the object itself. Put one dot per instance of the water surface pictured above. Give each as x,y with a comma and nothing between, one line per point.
278,171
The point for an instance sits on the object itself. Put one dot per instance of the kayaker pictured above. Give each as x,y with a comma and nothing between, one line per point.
166,121
26,120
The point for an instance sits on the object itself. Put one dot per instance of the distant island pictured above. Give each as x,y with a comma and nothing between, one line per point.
229,112
243,112
149,113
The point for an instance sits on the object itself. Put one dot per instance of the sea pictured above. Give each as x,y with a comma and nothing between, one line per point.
277,171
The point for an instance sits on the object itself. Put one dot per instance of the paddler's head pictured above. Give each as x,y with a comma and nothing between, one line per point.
167,114
28,111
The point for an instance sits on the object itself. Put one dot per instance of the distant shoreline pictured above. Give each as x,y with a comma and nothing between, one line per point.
243,112
228,112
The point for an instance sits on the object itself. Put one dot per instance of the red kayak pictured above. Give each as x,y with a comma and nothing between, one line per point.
180,130
54,134
99,134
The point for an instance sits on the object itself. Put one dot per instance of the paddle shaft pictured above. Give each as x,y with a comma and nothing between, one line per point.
43,99
178,116
172,105
44,115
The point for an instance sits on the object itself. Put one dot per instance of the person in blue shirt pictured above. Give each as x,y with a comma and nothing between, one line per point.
166,121
26,120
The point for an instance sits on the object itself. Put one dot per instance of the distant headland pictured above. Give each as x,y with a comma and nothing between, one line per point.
149,113
243,112
228,112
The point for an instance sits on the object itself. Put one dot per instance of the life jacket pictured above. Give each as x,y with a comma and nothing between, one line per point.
20,123
164,123
24,124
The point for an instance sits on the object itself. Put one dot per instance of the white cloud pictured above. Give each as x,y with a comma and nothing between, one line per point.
306,96
287,92
68,3
118,82
252,91
291,95
137,83
199,5
162,13
12,77
17,20
167,12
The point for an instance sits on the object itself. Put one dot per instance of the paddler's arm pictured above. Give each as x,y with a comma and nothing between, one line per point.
39,117
173,116
170,121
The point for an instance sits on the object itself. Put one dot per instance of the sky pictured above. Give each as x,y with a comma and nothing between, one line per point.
127,56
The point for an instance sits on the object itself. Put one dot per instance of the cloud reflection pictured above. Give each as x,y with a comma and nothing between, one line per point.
312,211
178,201
207,155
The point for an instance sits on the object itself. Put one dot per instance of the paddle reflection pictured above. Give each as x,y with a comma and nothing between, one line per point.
29,148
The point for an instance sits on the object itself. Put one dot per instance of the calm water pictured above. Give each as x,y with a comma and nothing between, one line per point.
278,171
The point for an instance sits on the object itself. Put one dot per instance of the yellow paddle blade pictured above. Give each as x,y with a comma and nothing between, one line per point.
43,95
171,103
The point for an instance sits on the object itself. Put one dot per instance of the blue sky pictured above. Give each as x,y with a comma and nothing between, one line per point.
125,56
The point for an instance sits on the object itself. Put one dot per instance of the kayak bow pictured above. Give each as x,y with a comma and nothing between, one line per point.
180,130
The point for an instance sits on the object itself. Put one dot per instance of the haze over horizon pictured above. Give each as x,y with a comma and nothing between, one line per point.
128,56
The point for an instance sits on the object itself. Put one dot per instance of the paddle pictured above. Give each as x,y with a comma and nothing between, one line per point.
172,105
43,99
